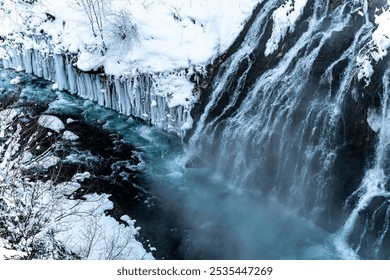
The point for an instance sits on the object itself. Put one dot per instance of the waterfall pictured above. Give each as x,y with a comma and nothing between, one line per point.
285,116
368,216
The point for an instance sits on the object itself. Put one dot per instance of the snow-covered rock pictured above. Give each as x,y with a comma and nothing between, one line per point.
51,122
15,81
284,18
68,135
6,117
7,254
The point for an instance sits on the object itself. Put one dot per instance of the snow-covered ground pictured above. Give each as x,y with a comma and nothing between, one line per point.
168,34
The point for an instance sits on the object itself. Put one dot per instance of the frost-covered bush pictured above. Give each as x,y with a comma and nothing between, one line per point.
96,11
26,219
109,25
121,29
40,214
29,202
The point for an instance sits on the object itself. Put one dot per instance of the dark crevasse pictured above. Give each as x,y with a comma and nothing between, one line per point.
297,124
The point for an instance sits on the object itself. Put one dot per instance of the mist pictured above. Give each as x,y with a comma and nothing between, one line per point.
218,222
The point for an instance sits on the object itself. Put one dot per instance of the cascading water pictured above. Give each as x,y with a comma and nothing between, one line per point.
289,120
373,187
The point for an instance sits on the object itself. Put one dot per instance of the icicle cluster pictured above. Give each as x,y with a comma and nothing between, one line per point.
135,94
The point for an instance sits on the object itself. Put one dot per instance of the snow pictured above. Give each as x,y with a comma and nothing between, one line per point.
365,68
79,177
176,86
172,34
6,118
49,162
284,18
8,115
377,48
188,124
55,86
381,36
68,135
91,225
176,34
15,81
88,61
51,122
5,253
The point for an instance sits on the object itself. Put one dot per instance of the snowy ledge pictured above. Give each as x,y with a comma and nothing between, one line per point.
377,48
143,59
164,99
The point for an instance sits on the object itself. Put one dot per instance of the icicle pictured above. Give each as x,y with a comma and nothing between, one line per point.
60,71
133,94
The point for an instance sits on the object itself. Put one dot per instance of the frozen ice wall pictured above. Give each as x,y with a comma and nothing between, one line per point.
148,96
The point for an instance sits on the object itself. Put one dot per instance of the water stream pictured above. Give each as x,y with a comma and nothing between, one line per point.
290,120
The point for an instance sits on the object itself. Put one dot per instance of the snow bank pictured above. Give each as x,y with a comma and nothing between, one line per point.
150,50
6,254
168,34
109,239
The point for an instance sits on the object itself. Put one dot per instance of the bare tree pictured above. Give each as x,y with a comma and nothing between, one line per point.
109,24
28,204
96,11
121,28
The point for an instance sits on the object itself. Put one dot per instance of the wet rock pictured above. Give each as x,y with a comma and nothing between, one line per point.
194,162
